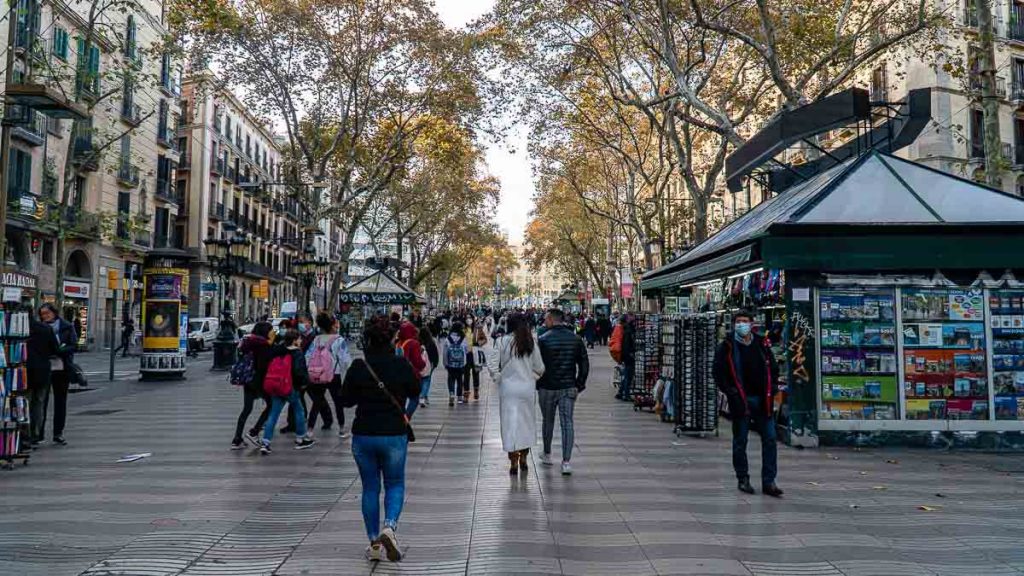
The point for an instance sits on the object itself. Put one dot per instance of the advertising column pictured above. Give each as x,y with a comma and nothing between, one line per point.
164,322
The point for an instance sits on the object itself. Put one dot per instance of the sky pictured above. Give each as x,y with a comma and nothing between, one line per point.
512,168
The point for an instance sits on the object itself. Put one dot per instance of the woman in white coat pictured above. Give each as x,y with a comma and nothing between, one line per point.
515,366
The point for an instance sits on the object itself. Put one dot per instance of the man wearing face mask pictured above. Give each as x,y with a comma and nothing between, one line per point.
746,372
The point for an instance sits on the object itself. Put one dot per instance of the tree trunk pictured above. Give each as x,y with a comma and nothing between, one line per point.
989,97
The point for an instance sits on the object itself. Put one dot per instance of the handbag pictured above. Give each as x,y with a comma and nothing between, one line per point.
398,405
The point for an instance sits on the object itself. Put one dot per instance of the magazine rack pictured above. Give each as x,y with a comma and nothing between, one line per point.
14,401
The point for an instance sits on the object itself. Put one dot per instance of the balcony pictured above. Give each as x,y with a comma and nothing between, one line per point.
969,16
144,239
23,204
82,224
161,241
1015,31
217,166
30,128
131,113
164,191
232,216
184,163
85,157
230,174
128,175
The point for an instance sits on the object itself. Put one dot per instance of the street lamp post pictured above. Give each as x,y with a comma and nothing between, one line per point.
307,271
227,257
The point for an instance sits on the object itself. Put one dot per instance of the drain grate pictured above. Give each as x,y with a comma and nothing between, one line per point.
100,412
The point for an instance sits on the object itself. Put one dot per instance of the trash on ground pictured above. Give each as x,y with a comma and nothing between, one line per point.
929,508
879,488
134,457
892,461
814,484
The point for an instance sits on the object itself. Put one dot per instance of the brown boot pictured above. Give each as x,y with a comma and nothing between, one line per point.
476,393
513,459
524,458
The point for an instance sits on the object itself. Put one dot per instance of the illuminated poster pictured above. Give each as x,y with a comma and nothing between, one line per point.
164,320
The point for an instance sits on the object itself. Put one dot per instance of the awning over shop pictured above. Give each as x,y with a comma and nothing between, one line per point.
567,296
875,211
379,288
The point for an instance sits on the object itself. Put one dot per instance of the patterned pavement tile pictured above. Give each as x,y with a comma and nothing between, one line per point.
641,501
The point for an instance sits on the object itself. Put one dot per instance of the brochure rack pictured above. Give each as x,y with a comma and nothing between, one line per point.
671,326
648,360
14,401
695,396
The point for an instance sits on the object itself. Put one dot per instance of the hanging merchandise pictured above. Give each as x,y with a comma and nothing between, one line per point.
648,358
1006,309
696,396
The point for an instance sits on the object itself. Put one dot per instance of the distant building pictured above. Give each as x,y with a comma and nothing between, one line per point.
535,288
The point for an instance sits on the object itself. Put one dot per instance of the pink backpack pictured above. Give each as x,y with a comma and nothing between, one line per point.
321,362
278,381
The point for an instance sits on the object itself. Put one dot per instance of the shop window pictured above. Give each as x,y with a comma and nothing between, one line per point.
944,366
1006,308
858,355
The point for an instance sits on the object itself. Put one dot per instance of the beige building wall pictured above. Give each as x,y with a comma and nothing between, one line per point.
231,178
122,204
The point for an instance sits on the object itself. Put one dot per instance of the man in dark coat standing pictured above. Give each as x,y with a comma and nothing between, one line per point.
746,372
41,347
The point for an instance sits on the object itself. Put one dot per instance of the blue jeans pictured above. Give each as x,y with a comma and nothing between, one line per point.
627,380
378,456
276,405
764,424
414,401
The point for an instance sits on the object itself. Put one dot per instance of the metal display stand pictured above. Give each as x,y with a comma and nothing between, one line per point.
648,361
695,395
14,402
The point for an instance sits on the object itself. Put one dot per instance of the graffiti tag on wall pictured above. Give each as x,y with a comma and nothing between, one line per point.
802,334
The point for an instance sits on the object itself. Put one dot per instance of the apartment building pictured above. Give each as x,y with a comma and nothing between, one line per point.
230,178
535,288
119,204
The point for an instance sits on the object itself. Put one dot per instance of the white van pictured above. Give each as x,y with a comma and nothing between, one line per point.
291,309
204,330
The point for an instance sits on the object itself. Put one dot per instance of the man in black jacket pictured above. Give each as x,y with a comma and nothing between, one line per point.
565,375
746,372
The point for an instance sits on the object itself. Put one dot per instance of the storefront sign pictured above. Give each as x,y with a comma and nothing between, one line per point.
376,298
627,291
19,280
12,294
74,289
208,287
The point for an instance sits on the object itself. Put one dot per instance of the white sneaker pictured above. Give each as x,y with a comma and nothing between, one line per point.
423,403
390,543
566,469
545,459
342,434
374,552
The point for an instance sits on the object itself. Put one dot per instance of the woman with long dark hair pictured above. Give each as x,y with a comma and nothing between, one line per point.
379,386
516,370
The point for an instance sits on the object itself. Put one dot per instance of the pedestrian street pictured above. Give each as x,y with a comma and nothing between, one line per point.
641,501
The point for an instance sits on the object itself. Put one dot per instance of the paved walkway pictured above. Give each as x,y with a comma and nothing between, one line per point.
641,501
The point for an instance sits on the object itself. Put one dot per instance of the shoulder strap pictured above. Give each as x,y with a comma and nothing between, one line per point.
384,389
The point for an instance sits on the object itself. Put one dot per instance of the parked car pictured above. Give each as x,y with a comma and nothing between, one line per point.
204,331
243,330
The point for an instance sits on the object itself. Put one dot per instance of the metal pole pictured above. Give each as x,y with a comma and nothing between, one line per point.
5,130
113,349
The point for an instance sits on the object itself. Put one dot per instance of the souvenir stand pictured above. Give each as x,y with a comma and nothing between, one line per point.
890,291
14,401
378,294
648,361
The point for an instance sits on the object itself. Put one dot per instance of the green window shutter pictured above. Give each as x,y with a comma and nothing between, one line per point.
94,68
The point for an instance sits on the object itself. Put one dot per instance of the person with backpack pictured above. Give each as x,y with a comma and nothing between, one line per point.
327,360
455,352
409,347
286,375
433,356
379,386
248,374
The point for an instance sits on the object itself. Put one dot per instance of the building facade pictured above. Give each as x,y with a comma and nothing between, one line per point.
230,177
102,180
535,288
